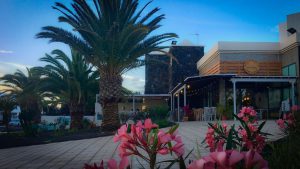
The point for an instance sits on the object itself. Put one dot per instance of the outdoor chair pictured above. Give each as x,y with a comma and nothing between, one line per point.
198,114
213,113
207,114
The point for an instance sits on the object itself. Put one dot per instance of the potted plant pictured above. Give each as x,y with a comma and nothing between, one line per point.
188,114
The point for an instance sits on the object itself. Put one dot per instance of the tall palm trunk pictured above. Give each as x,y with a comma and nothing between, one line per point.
110,92
76,114
6,119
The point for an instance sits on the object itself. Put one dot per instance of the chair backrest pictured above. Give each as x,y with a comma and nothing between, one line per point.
213,110
206,110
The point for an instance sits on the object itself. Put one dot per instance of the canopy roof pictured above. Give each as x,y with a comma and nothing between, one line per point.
202,80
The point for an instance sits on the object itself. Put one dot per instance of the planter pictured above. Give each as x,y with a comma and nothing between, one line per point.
185,118
224,117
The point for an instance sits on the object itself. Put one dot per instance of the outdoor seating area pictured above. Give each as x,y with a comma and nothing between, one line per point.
203,114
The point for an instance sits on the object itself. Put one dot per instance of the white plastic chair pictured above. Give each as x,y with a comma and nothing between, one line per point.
207,115
213,111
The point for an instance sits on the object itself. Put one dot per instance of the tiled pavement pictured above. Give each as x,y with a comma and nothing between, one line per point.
73,154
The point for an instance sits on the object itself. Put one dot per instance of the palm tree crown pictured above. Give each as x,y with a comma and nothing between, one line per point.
112,35
69,80
24,87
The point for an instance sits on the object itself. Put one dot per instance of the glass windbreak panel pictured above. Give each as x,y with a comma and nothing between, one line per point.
285,71
292,70
274,98
286,93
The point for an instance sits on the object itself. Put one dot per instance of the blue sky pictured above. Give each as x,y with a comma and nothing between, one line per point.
213,20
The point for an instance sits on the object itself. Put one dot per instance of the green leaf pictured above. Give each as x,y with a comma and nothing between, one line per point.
129,128
229,141
173,129
261,125
140,163
188,154
181,163
171,164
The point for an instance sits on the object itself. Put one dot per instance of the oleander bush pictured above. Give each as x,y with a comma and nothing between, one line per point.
285,153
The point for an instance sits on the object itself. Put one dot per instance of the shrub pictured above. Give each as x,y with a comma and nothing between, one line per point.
86,123
29,126
62,123
158,113
146,141
285,153
231,148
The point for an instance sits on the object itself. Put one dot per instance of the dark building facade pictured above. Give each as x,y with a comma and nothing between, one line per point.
157,69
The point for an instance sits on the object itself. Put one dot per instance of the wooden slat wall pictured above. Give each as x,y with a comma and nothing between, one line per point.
237,67
214,69
265,68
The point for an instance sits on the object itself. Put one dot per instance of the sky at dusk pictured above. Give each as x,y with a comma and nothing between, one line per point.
212,20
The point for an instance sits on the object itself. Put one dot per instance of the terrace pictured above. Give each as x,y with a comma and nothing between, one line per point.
73,154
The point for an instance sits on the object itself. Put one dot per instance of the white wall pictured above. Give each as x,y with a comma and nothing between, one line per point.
52,119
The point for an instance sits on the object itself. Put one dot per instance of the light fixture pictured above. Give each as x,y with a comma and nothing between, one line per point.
292,30
188,86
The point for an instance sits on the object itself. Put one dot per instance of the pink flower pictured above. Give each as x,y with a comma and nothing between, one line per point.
246,119
224,125
164,137
227,159
253,113
295,108
247,114
252,128
210,130
178,139
203,163
243,132
122,134
112,164
149,125
178,148
163,151
280,123
220,145
240,115
126,149
140,124
95,166
254,160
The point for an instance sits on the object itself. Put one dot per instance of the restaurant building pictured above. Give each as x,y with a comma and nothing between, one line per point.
236,74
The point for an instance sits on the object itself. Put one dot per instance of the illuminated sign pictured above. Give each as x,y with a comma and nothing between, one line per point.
251,67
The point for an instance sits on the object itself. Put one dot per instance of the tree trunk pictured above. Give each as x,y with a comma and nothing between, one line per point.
76,114
110,92
6,119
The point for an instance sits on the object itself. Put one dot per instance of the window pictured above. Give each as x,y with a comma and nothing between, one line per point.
292,70
285,71
289,70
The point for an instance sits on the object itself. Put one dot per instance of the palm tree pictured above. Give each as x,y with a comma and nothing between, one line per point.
69,80
25,89
112,35
7,104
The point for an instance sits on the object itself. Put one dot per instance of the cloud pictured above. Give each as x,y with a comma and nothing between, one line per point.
9,68
134,83
6,51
